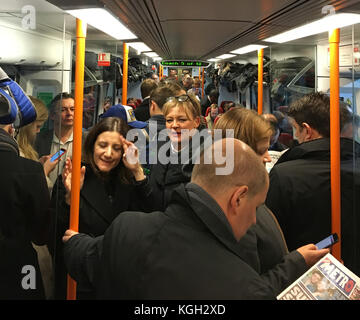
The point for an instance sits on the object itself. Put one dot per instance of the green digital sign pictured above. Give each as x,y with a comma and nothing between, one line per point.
184,63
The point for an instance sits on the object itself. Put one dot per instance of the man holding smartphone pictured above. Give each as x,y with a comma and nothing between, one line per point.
61,135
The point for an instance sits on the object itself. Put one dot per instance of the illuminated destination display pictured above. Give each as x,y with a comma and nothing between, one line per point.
184,63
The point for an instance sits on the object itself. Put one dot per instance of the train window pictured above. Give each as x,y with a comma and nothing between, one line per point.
308,79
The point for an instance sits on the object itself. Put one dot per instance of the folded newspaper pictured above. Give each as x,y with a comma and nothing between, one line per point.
326,280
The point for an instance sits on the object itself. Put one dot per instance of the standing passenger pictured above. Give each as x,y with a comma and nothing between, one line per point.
208,100
264,247
61,136
182,115
191,250
27,135
300,183
25,139
142,111
111,182
157,123
24,219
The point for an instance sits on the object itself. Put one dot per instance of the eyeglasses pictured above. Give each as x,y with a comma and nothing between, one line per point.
182,98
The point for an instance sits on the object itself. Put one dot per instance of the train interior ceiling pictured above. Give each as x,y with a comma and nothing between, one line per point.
39,37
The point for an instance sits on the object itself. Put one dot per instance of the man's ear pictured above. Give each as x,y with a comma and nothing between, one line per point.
153,105
238,195
309,135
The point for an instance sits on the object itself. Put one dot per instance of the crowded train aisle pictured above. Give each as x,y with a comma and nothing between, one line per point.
191,166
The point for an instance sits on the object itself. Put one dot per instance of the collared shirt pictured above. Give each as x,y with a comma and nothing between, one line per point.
55,146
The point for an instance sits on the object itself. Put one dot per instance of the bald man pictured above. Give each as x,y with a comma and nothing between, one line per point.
191,250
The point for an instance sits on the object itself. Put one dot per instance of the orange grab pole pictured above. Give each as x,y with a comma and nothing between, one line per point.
202,82
334,39
125,72
260,80
76,153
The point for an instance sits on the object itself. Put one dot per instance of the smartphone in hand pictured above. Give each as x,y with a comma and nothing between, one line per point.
58,154
328,242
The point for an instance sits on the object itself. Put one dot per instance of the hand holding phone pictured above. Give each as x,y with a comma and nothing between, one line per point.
58,154
328,242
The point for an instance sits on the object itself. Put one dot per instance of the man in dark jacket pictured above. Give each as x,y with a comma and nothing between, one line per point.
61,114
300,188
142,112
208,100
191,250
24,218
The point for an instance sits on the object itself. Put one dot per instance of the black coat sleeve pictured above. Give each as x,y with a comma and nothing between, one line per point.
142,196
39,206
60,214
82,255
286,272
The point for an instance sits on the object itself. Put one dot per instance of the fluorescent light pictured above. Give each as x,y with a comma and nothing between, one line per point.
328,23
104,21
225,56
213,60
139,46
156,58
151,54
249,48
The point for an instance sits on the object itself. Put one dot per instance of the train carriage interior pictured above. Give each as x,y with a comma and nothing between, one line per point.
216,41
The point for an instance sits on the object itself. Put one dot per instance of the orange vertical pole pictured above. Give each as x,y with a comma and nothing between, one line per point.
260,80
125,73
334,39
76,147
202,82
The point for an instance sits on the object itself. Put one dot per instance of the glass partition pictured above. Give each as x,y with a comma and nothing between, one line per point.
35,42
38,52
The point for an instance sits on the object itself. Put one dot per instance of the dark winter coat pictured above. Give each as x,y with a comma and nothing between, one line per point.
142,112
24,218
300,196
100,203
188,252
164,178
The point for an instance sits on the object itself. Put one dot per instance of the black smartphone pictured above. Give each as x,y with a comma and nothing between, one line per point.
58,154
328,242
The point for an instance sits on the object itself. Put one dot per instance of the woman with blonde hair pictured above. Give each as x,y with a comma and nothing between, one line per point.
183,119
264,247
26,139
250,128
27,135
